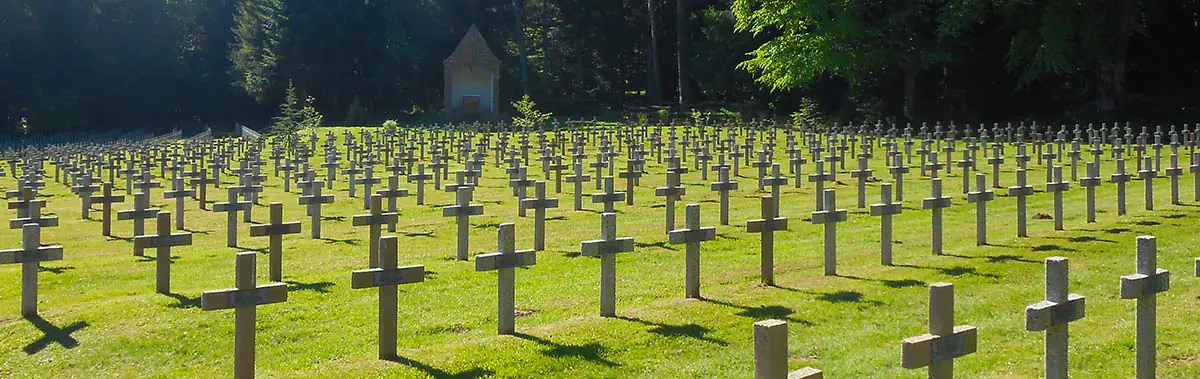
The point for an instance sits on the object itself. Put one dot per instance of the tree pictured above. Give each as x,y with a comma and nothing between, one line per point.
653,77
683,48
259,32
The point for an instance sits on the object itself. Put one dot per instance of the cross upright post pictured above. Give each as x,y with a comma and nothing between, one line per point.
140,212
539,204
244,299
607,248
504,262
936,202
981,196
830,216
1054,314
375,221
885,209
29,255
462,211
692,235
944,342
275,230
767,226
164,241
1144,286
387,277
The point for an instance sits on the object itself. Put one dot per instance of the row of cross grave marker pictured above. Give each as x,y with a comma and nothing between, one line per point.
826,214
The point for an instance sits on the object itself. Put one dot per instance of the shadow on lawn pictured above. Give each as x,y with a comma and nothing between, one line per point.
686,330
342,241
592,352
660,244
321,287
55,270
762,312
183,302
53,334
955,271
438,373
1051,248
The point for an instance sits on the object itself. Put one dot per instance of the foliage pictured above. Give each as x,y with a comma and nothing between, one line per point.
295,116
391,127
809,114
24,126
259,30
529,117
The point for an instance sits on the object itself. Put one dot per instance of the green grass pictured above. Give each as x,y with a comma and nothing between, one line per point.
103,319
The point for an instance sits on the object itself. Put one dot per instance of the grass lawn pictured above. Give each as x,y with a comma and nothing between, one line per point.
102,317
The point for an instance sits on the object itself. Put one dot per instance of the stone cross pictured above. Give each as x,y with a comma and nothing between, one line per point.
1021,191
723,185
85,189
944,342
391,193
692,235
885,210
504,262
29,255
231,207
607,248
936,202
771,353
830,216
539,204
862,174
1147,174
520,184
996,160
462,212
775,181
1195,169
578,179
673,191
1054,314
164,241
767,226
275,230
249,190
609,197
1090,182
367,181
244,299
179,193
33,213
375,220
1174,172
352,173
1145,286
819,178
314,201
386,277
106,200
140,212
898,169
1120,177
201,183
631,175
981,196
1058,186
420,177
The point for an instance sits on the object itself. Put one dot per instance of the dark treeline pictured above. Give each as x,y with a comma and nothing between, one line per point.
160,64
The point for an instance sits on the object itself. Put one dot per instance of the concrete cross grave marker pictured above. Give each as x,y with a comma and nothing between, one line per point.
1144,286
85,189
1058,186
367,181
164,241
386,277
771,353
944,342
231,208
375,221
420,177
767,226
1174,172
996,160
201,183
1054,314
631,175
352,173
981,196
275,230
462,212
106,200
936,202
672,192
391,193
723,186
1120,177
578,178
244,300
29,255
1195,169
1090,182
775,181
609,197
504,262
885,210
179,193
314,201
520,184
819,179
1021,191
607,248
539,203
140,212
830,216
1147,174
692,235
862,174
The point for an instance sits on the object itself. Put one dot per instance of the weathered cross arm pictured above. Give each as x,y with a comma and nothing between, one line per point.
496,261
377,277
923,350
235,298
1045,314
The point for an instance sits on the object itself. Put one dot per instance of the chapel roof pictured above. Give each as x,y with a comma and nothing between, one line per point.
473,50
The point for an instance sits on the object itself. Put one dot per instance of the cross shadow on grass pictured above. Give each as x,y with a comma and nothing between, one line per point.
591,352
440,374
53,334
956,271
417,234
685,330
901,283
55,270
152,258
321,287
333,218
1051,247
196,231
183,302
762,312
661,245
1086,239
341,241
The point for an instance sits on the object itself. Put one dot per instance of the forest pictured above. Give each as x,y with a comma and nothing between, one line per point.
165,64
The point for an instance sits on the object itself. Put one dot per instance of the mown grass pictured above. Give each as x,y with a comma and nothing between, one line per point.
103,319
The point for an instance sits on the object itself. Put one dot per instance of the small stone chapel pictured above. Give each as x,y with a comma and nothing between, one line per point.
472,77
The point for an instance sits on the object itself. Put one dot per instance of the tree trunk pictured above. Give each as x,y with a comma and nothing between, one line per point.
653,82
683,42
520,32
910,89
1110,89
